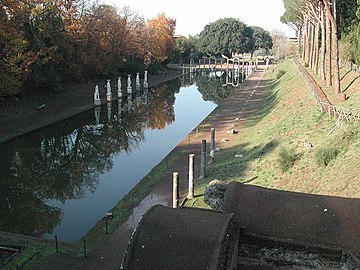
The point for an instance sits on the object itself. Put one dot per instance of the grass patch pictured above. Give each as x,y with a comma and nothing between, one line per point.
30,253
287,158
326,154
272,144
280,73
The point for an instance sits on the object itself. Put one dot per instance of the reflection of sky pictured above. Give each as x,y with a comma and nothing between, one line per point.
80,215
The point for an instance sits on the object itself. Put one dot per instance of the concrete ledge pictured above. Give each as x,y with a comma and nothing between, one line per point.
298,217
183,238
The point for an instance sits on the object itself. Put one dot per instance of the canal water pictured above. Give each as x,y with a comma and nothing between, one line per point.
62,179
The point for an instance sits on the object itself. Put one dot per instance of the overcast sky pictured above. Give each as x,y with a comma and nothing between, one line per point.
192,15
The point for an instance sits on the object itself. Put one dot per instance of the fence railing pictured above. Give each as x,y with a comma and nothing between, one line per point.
323,103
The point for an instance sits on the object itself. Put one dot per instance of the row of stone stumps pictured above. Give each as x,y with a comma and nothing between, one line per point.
120,94
175,180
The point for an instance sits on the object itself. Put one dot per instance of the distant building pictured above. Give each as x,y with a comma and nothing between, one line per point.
293,39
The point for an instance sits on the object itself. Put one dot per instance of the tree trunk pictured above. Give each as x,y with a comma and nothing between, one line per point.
305,39
335,57
316,49
307,45
299,42
322,50
335,48
328,52
311,46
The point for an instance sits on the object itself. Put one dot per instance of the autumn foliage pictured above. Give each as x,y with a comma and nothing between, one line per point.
45,42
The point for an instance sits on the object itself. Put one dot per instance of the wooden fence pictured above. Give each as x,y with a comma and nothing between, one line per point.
323,103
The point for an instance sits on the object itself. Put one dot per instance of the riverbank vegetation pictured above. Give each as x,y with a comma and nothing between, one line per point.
44,43
319,26
288,146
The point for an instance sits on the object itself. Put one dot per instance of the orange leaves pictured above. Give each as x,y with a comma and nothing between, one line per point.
161,42
74,38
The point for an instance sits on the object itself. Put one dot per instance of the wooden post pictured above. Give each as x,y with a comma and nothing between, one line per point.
106,225
175,189
191,176
212,145
56,244
203,159
85,255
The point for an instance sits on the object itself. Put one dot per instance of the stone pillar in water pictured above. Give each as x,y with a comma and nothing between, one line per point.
243,70
212,145
202,159
137,81
129,88
109,113
191,176
146,85
146,91
108,91
97,115
97,99
129,100
119,90
175,189
119,108
138,100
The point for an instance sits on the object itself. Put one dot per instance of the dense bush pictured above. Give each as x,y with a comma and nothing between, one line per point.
287,159
325,154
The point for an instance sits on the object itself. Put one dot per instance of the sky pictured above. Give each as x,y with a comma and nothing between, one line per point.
193,15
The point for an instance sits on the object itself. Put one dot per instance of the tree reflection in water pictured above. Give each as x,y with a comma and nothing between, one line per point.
214,86
65,160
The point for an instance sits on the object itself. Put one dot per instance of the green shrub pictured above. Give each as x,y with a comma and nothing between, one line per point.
280,73
287,158
324,155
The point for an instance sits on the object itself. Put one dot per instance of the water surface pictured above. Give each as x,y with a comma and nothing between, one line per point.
62,179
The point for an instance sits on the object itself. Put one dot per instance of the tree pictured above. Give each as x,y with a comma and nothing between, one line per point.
226,36
346,16
106,40
12,46
161,42
185,49
348,12
279,39
293,18
335,45
319,26
262,39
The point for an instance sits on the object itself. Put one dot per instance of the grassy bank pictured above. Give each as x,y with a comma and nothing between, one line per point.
275,142
349,84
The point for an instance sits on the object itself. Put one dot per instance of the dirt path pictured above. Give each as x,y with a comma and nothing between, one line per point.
233,113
